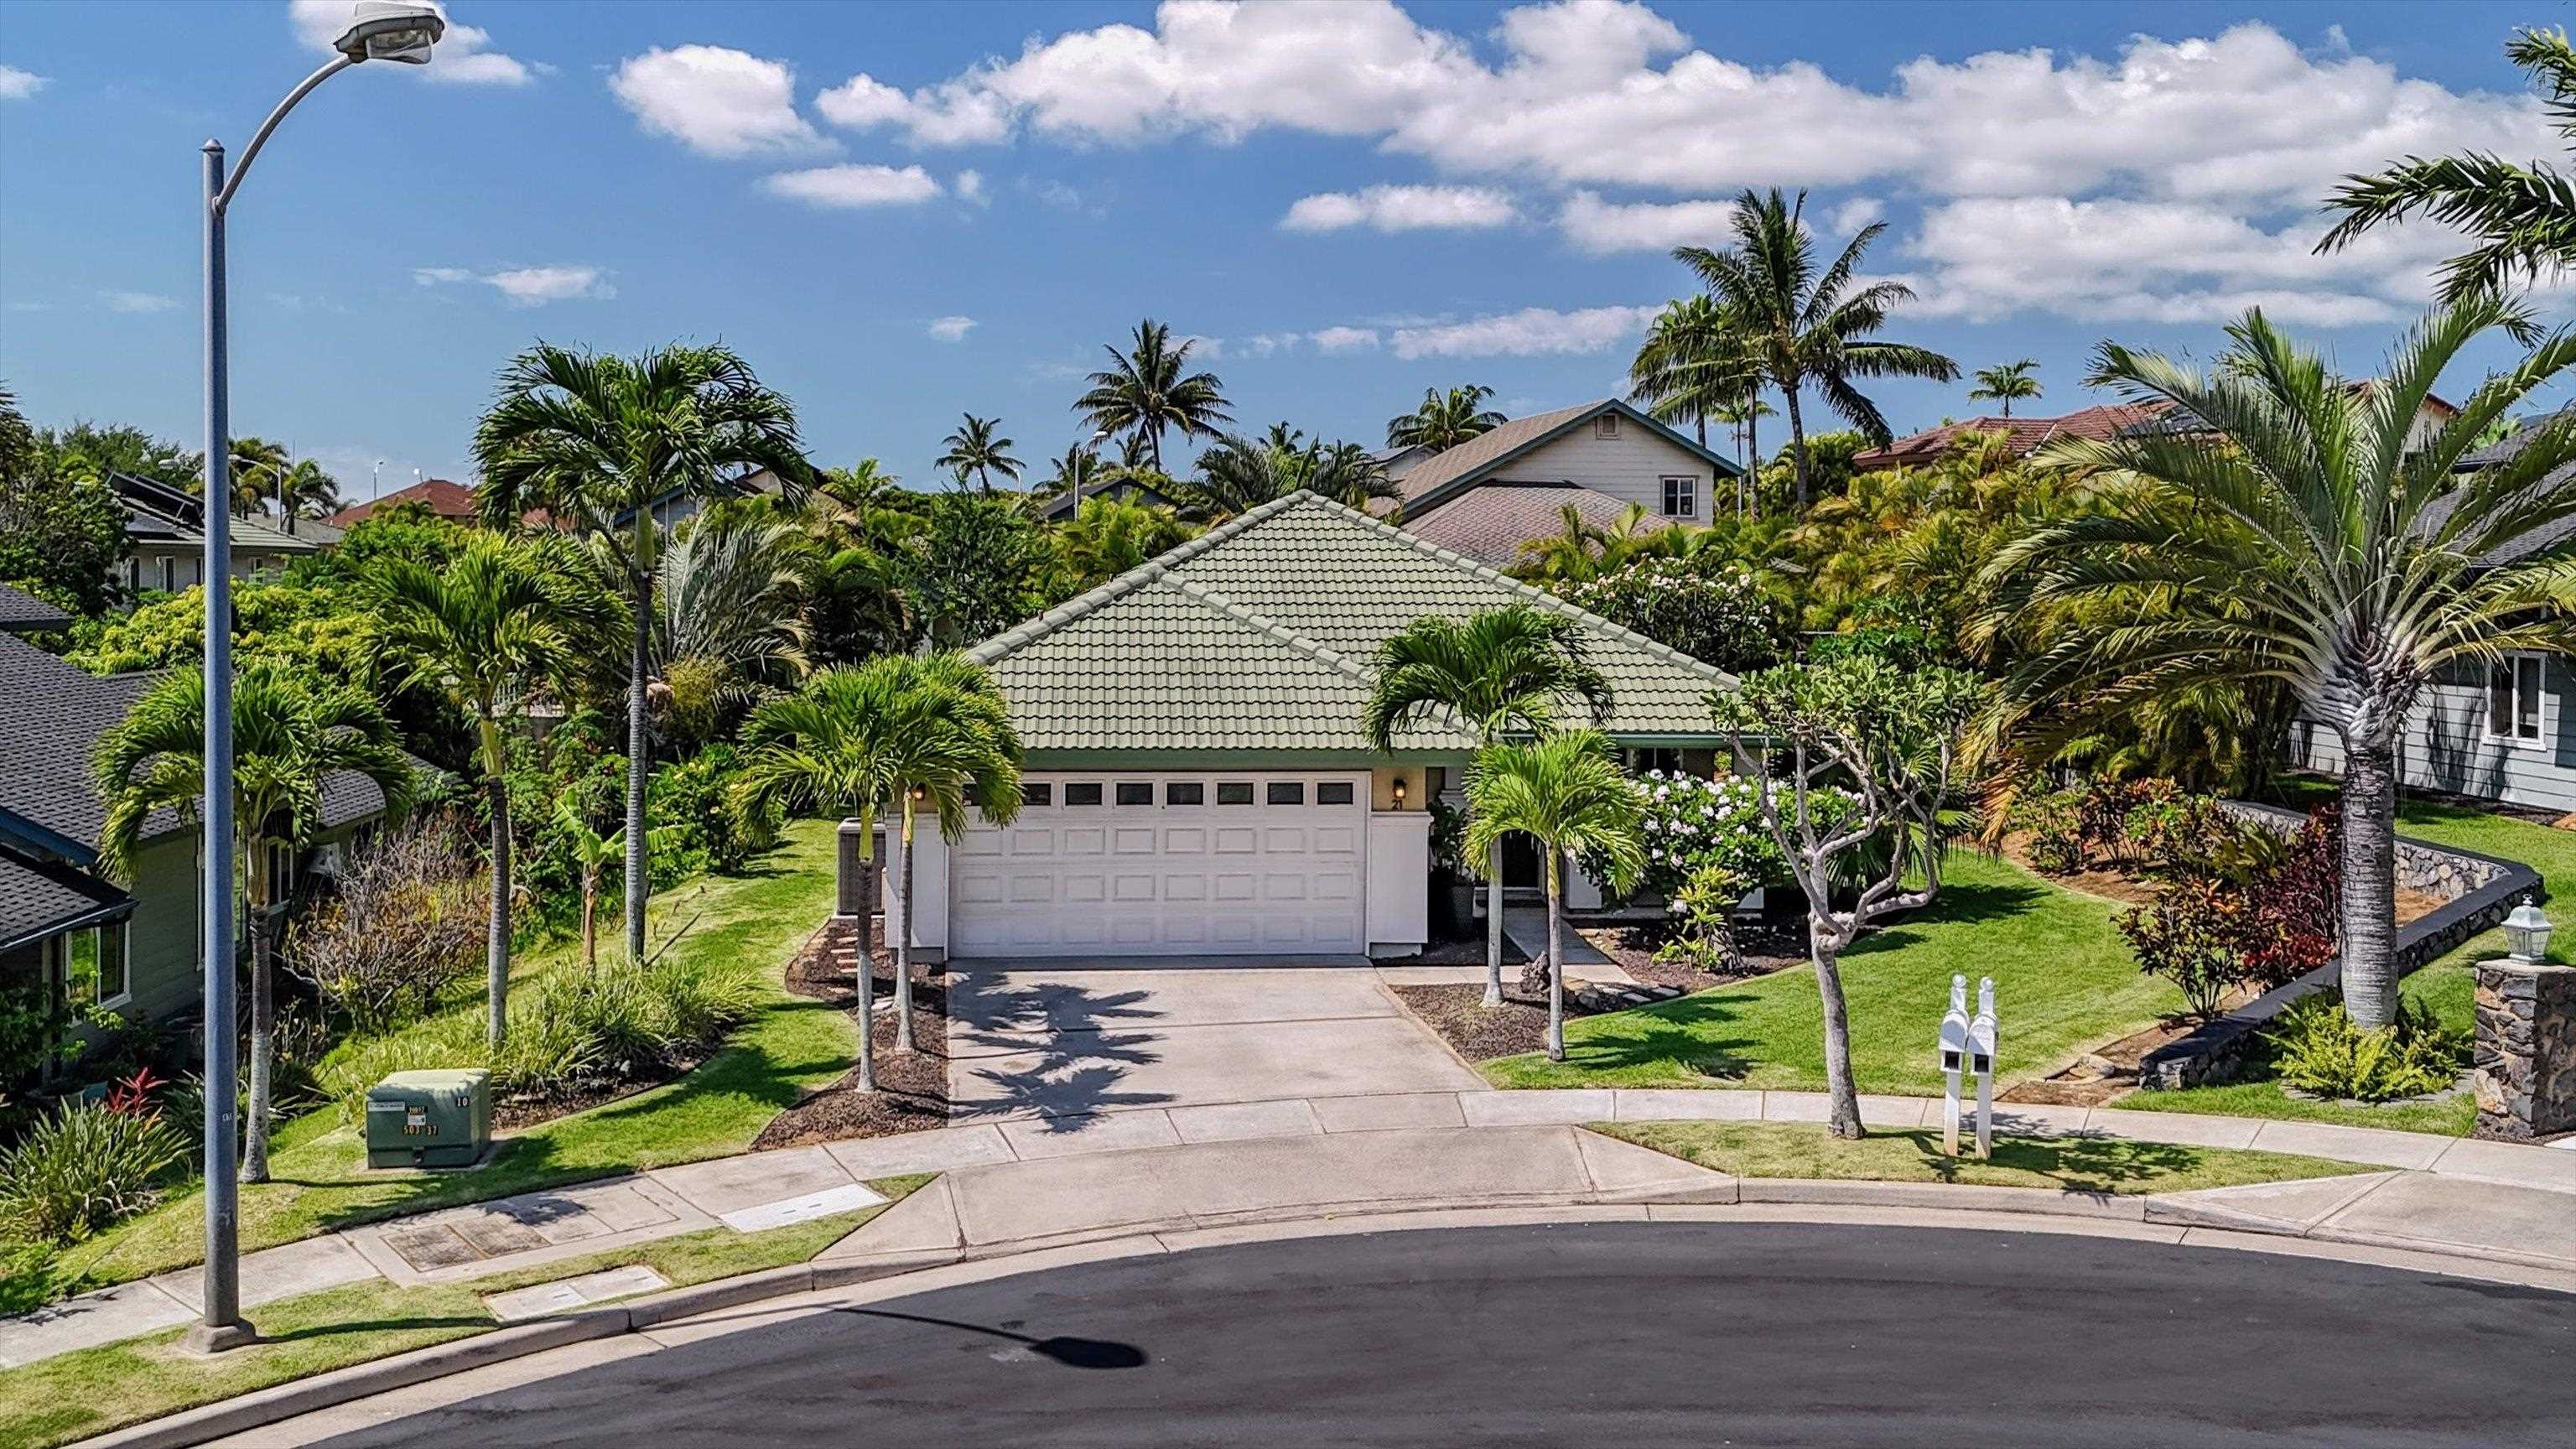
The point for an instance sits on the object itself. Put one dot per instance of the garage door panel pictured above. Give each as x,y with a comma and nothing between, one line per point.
1132,840
1235,887
1337,840
1237,840
1185,840
1085,840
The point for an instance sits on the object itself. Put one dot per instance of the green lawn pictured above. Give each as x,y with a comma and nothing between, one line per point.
2067,1164
94,1390
318,1165
2064,982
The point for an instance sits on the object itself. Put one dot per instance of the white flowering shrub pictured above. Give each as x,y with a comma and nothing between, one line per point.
1717,612
1694,825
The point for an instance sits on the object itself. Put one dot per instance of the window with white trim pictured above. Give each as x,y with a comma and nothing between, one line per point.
169,574
1681,496
2513,698
91,965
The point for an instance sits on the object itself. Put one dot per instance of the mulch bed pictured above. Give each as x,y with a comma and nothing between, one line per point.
1633,944
912,1087
519,1114
1479,1032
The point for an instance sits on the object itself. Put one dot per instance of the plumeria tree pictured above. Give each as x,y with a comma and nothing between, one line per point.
1892,738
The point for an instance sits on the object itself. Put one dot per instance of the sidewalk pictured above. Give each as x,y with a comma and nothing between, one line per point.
1032,1179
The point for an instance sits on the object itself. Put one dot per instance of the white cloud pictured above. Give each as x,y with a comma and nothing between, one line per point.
1346,339
953,114
527,286
951,329
18,85
717,102
136,301
1402,208
1854,214
855,185
1594,225
1529,332
463,55
969,187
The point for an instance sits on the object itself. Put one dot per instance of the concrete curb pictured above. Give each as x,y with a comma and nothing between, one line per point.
1770,1200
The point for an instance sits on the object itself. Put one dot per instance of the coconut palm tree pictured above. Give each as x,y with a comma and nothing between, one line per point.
2523,216
1499,672
258,466
594,443
1239,474
489,628
1694,365
1805,327
977,447
2302,538
953,747
1445,419
2005,383
1568,793
291,735
1149,390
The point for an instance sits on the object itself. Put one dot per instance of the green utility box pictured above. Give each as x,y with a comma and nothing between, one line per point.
429,1119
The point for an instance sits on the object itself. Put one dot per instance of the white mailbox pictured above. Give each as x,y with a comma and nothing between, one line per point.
1954,1059
1981,1056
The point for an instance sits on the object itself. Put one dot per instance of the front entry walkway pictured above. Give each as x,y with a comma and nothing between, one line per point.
1049,1041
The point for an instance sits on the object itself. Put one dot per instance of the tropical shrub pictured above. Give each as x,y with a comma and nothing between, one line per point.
2295,902
2190,937
406,921
712,825
2317,1047
1694,827
1703,925
1713,610
84,1166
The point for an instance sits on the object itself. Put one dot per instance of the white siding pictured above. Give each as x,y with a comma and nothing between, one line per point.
1631,467
2447,748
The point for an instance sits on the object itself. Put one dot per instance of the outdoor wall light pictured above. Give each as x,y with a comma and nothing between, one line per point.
920,793
2526,932
384,30
1399,792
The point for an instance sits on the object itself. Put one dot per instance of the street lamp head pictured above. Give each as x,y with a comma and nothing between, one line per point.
387,30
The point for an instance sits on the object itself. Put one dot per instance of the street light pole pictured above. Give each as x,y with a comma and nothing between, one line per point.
380,30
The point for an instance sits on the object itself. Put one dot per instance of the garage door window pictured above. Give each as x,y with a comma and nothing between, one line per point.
1135,792
1332,792
1234,792
1082,794
1037,794
1185,792
1287,792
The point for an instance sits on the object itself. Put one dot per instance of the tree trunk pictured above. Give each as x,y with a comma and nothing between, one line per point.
639,763
902,930
496,939
263,1024
868,974
1798,448
1843,1111
1494,924
1555,963
590,917
2369,884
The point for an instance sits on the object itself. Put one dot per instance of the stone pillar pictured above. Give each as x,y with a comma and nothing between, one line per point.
2526,1050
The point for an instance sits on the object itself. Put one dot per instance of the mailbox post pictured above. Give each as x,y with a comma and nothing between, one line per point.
1954,1054
1981,1052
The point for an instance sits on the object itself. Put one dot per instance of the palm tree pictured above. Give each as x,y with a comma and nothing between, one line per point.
591,852
1106,537
2005,382
1078,472
1148,390
1501,671
831,748
1694,365
1568,793
2523,216
258,466
1445,419
953,745
594,443
492,626
2302,539
1240,474
976,447
727,620
291,735
1799,325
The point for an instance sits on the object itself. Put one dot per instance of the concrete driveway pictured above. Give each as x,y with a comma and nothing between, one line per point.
1062,1041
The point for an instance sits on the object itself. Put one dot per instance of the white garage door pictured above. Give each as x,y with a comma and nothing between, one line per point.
1167,865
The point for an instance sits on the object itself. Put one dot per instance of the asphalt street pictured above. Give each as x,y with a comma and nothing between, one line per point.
1610,1335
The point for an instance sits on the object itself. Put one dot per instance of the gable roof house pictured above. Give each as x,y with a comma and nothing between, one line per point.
1197,780
129,946
166,528
444,498
2022,436
1512,483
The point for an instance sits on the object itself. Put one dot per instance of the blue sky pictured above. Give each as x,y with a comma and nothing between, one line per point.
898,212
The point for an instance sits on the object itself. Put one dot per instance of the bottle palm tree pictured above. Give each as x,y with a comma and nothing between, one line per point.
1567,793
2523,216
1802,326
594,443
2005,382
726,624
1500,672
977,447
1694,365
291,734
492,626
2301,539
953,747
1149,390
1445,419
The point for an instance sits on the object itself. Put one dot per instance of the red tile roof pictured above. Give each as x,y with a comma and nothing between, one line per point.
446,499
2022,435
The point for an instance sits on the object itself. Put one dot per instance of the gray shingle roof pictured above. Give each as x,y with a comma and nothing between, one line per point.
20,610
39,898
1260,633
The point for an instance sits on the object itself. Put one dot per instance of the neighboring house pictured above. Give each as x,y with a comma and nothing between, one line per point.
1488,495
2022,436
129,946
1197,782
1125,488
24,613
1399,461
2429,417
449,500
166,527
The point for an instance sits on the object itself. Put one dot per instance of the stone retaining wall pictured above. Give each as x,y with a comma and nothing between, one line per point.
2477,892
2526,1053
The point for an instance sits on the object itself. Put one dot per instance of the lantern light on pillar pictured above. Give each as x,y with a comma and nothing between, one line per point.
2526,932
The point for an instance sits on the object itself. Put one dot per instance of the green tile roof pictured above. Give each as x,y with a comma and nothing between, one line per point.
1259,636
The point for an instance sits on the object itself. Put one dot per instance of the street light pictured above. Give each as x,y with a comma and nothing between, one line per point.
378,30
1097,436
